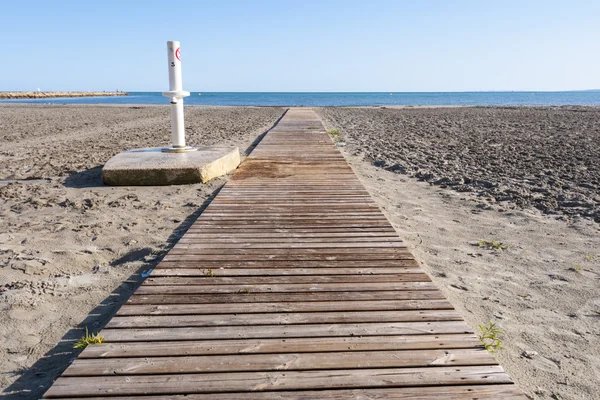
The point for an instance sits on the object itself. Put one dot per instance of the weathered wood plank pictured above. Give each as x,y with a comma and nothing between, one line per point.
334,317
285,331
275,362
269,381
309,247
470,392
304,222
270,229
249,297
210,240
287,203
288,345
390,250
283,235
265,264
300,256
165,270
279,307
285,288
211,279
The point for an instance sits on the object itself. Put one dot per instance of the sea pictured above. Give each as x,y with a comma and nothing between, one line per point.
315,99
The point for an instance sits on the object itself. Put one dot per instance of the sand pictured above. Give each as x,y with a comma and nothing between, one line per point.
71,249
543,290
547,158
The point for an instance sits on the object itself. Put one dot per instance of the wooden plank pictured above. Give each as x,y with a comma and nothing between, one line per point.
293,235
279,307
300,219
267,272
285,331
390,250
310,246
290,211
288,345
285,204
294,230
300,256
298,184
338,227
286,288
470,392
285,201
305,222
274,362
282,197
249,297
266,233
352,189
335,317
268,381
266,264
208,279
298,213
325,188
208,240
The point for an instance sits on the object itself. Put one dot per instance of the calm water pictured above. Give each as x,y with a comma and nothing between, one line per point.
345,99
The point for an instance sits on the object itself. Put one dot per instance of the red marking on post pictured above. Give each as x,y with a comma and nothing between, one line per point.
177,53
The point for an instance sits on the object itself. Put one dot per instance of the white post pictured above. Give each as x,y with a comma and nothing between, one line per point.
176,95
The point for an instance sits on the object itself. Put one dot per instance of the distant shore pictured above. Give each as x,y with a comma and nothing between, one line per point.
44,95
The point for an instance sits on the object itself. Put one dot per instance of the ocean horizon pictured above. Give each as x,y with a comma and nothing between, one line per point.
324,99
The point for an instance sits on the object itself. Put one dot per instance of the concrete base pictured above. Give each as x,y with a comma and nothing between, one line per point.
153,167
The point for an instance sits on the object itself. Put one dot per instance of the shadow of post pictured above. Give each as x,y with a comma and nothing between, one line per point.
88,178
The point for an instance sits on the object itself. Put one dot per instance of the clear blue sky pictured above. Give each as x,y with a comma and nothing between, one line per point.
302,45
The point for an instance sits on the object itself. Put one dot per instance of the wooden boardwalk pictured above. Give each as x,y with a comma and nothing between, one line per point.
292,284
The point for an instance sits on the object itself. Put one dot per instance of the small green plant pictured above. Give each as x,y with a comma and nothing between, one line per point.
492,244
334,132
244,291
208,272
88,339
576,267
592,258
489,336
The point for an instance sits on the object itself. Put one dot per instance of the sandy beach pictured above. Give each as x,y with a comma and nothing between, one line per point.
73,250
510,157
542,290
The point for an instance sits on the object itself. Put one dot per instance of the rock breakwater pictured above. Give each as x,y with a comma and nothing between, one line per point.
47,95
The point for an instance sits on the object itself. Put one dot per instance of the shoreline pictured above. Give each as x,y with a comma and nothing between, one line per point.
217,106
49,95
